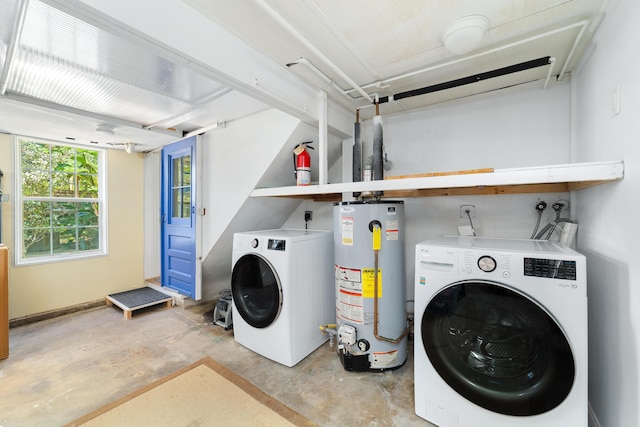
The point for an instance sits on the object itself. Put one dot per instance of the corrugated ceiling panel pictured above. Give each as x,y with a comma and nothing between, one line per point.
62,36
65,61
54,80
9,10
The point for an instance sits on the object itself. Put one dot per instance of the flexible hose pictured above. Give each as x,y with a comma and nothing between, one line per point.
471,222
550,228
535,229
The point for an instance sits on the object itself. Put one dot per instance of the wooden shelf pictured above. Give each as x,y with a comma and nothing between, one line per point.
537,179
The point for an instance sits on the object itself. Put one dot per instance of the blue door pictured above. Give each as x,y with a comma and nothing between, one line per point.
181,257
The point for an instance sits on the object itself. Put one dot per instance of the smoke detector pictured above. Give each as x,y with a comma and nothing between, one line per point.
465,34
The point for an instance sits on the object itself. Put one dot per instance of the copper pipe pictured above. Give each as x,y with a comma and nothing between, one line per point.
375,307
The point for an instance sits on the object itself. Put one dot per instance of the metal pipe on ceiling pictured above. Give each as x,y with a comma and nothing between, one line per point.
323,76
469,79
552,62
287,26
572,51
13,44
582,24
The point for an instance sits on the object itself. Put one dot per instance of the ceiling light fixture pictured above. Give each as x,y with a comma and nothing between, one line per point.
464,34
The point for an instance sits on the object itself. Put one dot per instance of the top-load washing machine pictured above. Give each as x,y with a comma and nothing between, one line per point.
283,291
500,333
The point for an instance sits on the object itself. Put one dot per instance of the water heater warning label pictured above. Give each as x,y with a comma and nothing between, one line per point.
346,230
392,230
349,304
368,284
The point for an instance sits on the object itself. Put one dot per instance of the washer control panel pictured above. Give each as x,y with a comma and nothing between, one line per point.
501,264
550,268
277,244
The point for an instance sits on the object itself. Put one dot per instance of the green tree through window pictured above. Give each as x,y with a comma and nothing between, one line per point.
60,199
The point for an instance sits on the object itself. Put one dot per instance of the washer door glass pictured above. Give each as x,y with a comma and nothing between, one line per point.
497,348
256,290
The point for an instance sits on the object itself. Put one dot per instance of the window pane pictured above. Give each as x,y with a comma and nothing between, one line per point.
36,214
35,183
63,184
186,171
88,239
87,186
64,239
87,161
63,158
36,242
88,214
176,203
87,168
63,214
186,203
34,156
177,171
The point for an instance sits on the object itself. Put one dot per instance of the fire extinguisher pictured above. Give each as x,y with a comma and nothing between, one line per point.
302,163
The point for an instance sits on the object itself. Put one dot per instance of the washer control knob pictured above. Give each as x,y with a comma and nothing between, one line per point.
487,264
254,243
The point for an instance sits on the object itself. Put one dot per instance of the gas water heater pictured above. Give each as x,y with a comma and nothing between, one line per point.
371,318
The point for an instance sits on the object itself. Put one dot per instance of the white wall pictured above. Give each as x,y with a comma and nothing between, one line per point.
608,214
152,228
251,152
233,161
520,126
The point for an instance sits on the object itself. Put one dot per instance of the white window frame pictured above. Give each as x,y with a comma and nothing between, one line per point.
19,259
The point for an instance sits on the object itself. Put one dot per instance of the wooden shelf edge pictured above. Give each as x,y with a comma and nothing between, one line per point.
538,179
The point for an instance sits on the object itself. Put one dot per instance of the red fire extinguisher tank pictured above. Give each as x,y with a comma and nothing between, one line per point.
303,164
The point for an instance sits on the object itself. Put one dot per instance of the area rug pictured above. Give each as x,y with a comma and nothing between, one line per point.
202,394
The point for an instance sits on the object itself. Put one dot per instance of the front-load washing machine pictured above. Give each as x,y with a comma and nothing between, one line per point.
283,291
500,333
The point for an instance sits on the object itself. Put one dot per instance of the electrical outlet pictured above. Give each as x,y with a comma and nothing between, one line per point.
465,208
308,216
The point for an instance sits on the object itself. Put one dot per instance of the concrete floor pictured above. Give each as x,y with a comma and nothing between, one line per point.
63,368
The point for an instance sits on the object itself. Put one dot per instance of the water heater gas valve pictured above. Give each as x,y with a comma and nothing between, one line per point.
347,334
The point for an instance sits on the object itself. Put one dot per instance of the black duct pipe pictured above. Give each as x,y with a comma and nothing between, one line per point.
535,63
378,149
357,152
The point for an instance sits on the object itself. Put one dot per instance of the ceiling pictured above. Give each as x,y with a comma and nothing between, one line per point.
72,72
